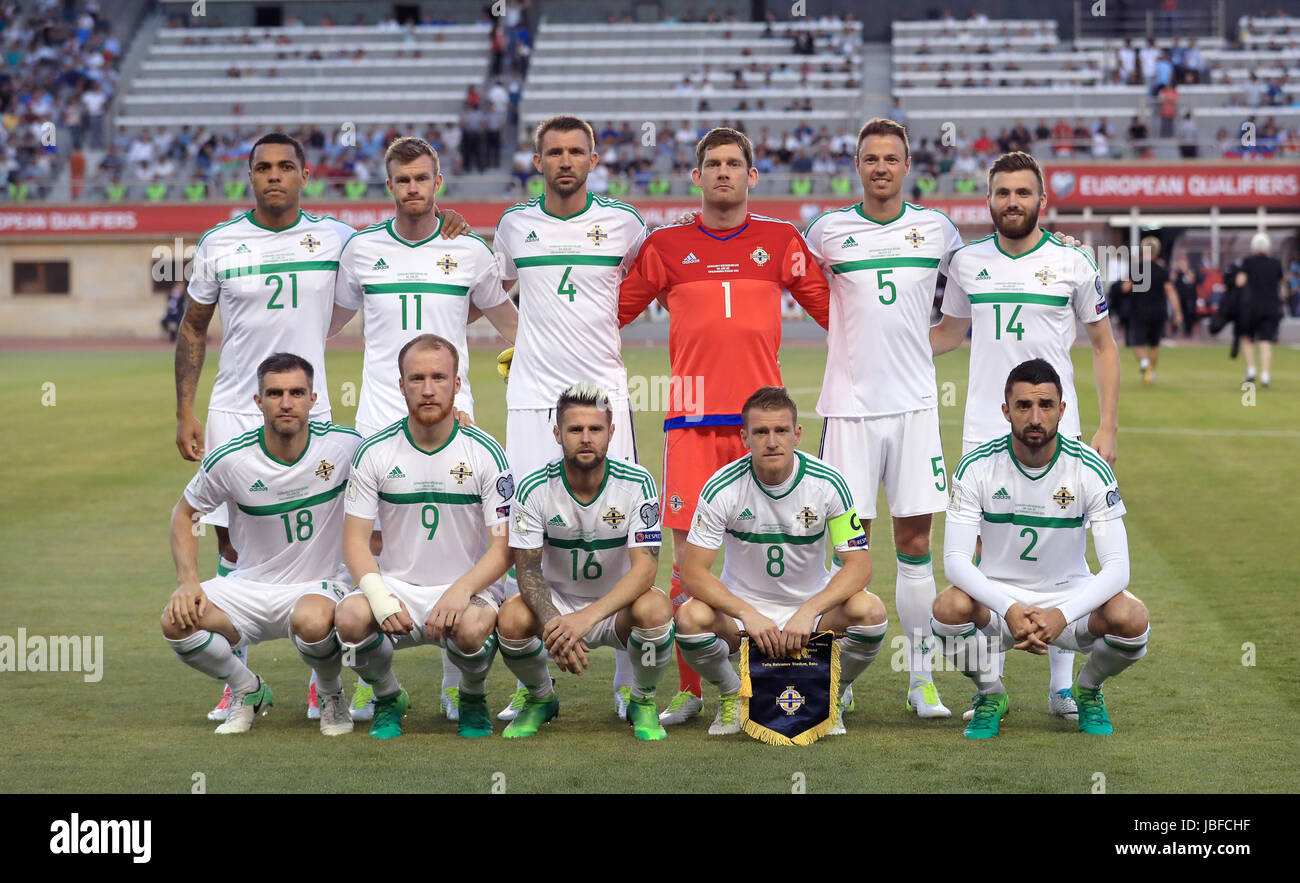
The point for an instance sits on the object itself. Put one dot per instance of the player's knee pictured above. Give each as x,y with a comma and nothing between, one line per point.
515,621
952,606
352,618
864,608
1127,616
171,629
652,609
694,617
312,623
473,628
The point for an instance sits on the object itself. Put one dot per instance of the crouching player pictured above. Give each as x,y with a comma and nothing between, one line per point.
442,491
586,537
1029,495
284,482
773,509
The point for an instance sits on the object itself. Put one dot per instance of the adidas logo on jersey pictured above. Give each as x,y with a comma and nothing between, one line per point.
984,274
397,473
1002,494
531,237
243,249
849,243
557,521
258,486
690,259
380,265
745,516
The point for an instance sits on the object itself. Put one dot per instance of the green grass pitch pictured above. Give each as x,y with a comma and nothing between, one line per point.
1209,480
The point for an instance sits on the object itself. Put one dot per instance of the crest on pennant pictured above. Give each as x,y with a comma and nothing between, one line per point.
790,700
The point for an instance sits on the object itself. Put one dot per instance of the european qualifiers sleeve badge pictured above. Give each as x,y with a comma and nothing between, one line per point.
790,700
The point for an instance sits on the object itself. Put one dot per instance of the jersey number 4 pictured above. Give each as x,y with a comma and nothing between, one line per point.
566,287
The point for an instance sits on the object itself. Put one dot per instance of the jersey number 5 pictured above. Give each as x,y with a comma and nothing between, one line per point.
882,283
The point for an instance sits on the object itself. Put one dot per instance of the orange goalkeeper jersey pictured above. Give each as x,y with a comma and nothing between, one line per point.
724,290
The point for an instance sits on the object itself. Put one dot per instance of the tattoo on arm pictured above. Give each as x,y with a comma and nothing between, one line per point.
191,346
533,587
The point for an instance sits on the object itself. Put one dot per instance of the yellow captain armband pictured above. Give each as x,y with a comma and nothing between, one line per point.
847,528
503,362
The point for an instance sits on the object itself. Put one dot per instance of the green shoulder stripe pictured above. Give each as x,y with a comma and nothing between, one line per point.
635,474
480,239
386,432
235,444
1096,464
987,450
487,441
718,482
847,208
618,203
519,206
926,208
1056,240
834,479
973,242
211,230
531,482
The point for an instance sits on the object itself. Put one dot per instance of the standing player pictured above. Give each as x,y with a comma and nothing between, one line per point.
1260,277
773,509
407,281
569,249
1020,291
443,489
883,257
1030,495
284,482
272,270
722,277
586,537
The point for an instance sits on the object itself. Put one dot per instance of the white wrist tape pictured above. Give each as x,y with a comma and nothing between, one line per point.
382,603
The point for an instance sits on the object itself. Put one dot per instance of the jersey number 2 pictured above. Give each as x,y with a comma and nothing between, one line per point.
1033,541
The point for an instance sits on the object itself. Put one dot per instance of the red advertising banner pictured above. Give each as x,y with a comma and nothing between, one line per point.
1163,186
142,220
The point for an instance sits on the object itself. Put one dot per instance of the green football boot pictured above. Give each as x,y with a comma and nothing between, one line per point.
531,717
1092,711
474,721
644,717
989,710
389,711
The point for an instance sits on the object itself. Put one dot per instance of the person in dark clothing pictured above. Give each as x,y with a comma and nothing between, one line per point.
1260,278
1186,281
1147,310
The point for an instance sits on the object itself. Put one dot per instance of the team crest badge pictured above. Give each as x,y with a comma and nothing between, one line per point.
790,701
1063,497
461,472
311,243
447,264
324,470
807,516
913,236
613,518
675,503
597,235
1045,275
760,256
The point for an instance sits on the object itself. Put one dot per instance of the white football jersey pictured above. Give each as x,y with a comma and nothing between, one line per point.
1020,308
405,289
882,278
569,270
276,293
1032,527
585,544
775,537
436,507
286,519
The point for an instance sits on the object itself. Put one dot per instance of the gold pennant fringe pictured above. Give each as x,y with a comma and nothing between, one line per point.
770,736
